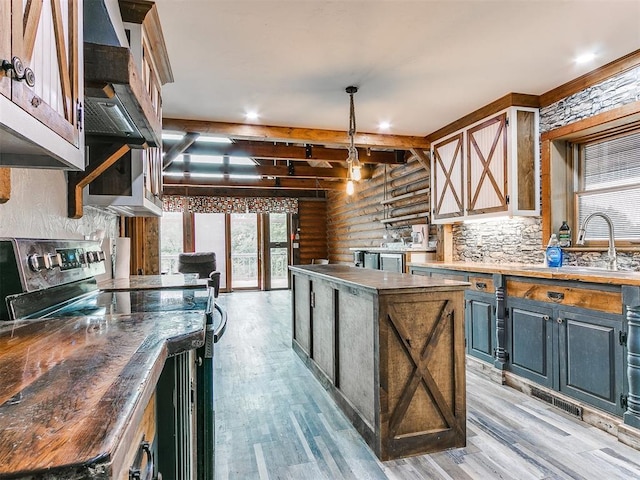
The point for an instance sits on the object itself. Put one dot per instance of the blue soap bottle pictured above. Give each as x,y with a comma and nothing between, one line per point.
554,252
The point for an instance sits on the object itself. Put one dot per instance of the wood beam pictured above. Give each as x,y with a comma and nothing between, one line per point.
589,79
422,158
292,171
280,151
78,180
509,100
292,134
263,183
178,148
201,190
5,185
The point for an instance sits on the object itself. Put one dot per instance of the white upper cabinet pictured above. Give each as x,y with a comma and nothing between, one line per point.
41,84
490,168
447,177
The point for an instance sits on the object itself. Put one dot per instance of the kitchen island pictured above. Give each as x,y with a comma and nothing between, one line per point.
389,348
79,395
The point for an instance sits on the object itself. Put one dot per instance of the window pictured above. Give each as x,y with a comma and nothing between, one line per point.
170,241
608,181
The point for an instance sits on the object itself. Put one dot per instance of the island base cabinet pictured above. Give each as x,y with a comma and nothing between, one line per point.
394,362
422,374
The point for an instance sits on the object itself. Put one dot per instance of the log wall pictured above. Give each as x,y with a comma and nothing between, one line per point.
355,221
312,222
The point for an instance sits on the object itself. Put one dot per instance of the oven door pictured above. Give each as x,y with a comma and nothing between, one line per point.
216,326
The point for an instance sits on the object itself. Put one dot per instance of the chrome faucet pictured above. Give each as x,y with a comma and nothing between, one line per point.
613,261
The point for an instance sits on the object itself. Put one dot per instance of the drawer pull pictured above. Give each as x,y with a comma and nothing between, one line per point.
481,285
555,296
135,473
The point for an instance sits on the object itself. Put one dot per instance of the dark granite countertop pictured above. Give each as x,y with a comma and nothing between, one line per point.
154,282
72,388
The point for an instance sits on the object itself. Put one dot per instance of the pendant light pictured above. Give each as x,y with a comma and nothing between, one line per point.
353,164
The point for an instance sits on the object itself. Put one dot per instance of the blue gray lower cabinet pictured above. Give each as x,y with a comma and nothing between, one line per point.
528,327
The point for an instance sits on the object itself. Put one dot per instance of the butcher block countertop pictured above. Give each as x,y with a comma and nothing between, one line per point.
567,272
377,280
74,389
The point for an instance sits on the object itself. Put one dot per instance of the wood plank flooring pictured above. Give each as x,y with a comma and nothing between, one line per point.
275,421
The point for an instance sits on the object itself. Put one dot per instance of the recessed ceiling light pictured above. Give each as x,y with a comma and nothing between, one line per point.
172,136
585,57
384,125
251,115
209,139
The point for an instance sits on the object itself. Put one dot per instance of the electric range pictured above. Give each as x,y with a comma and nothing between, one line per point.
51,279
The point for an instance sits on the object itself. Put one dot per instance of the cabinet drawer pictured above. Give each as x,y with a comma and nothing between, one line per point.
482,284
603,301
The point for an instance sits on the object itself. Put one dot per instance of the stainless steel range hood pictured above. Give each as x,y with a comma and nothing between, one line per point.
117,103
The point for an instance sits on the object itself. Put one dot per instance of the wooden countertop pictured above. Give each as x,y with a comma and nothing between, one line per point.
154,282
590,275
378,281
73,388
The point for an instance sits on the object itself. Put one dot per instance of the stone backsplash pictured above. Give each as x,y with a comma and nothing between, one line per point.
519,239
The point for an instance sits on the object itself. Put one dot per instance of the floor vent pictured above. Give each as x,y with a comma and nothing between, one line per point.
563,405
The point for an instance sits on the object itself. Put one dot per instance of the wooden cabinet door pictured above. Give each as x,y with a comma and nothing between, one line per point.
591,358
487,166
480,326
5,46
530,341
46,35
447,170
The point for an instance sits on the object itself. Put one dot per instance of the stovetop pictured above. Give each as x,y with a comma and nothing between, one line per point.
133,301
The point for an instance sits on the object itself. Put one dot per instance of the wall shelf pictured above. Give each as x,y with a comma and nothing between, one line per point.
412,216
403,196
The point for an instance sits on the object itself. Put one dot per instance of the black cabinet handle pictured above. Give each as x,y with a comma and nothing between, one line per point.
481,285
134,470
555,296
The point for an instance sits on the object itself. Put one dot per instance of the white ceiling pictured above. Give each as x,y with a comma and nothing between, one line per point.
419,64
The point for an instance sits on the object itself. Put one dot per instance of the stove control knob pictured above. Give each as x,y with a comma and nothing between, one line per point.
91,257
36,262
48,261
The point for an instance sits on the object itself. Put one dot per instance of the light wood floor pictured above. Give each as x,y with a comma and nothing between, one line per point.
275,421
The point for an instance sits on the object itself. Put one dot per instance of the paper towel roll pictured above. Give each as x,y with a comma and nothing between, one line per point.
123,257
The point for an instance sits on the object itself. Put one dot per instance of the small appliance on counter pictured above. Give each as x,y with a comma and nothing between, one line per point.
420,235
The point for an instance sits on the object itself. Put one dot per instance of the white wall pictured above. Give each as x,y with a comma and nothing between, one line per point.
38,209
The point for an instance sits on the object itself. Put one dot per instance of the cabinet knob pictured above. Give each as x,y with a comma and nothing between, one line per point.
560,320
20,72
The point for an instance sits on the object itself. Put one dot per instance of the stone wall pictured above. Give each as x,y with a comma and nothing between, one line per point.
519,239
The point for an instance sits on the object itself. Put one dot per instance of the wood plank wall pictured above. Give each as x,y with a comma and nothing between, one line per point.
312,218
145,244
354,221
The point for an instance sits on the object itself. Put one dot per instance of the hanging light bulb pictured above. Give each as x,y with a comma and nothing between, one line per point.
350,187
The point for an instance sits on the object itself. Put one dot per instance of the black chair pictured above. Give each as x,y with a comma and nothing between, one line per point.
202,263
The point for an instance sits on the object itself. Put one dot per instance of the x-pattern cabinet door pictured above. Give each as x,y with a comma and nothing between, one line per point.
447,167
46,36
487,166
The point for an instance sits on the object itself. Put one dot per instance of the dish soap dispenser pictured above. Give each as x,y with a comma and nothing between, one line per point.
554,252
564,235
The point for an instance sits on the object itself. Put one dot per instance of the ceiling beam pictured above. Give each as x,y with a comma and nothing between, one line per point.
242,131
422,157
239,192
274,184
292,171
279,151
178,148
